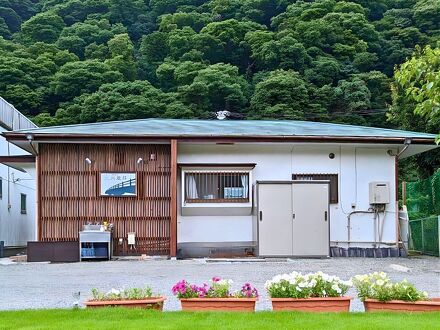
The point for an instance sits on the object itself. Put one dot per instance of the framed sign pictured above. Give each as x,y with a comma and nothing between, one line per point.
118,184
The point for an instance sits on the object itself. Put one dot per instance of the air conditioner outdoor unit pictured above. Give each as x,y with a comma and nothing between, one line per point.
379,193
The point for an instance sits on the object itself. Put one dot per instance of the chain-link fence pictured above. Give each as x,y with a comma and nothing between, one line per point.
424,235
423,204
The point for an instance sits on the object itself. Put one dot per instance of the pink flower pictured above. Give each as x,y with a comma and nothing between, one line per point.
216,279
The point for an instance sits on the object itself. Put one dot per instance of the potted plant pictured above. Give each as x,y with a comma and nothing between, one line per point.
314,292
129,298
378,293
215,297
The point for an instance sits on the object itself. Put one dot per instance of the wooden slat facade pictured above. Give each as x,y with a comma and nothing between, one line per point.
69,194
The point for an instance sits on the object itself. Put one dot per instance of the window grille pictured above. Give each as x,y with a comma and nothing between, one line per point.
333,178
216,186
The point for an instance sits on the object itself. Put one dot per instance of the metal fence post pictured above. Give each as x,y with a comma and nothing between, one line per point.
438,237
423,236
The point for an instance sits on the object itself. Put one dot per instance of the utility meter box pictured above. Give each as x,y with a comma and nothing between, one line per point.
379,192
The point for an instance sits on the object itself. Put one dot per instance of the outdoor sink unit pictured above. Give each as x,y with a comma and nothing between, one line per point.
94,243
92,227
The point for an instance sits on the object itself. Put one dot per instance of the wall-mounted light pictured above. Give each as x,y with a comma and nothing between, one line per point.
152,156
88,161
139,160
29,137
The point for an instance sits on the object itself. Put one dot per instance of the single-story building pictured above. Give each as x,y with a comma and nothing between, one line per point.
221,187
17,188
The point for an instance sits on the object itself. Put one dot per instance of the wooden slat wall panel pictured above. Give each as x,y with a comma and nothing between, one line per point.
70,194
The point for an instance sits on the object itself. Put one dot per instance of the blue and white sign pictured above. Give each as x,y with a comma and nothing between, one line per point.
118,184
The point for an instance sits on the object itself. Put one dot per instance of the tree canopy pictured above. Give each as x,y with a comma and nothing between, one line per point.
77,61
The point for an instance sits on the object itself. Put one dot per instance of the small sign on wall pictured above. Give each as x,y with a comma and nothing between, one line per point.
118,184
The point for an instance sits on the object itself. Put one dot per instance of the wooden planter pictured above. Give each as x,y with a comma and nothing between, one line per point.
219,304
373,305
325,304
150,303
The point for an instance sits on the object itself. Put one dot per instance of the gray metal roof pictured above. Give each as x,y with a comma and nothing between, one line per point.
223,128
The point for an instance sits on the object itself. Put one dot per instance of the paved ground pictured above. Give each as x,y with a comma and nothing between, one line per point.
39,285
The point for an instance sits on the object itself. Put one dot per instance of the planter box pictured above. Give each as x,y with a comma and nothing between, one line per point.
373,305
219,304
325,304
151,303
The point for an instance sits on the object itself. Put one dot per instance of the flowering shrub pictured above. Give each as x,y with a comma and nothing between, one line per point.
247,291
123,294
219,288
296,285
379,286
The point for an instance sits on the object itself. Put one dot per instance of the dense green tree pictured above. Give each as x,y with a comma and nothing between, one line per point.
214,88
74,11
282,95
76,78
77,37
271,53
230,35
417,84
121,100
194,20
45,27
10,18
322,60
4,29
23,8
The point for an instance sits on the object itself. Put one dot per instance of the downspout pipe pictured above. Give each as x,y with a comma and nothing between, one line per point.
407,143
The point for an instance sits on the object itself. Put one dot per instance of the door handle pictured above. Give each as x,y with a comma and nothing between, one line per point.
261,215
325,216
293,216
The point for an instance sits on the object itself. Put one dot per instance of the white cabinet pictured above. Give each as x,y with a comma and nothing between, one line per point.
293,218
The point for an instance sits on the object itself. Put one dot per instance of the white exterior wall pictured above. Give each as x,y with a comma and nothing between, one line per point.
15,228
356,166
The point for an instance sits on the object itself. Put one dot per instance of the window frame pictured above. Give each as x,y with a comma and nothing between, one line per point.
23,210
1,188
332,177
216,201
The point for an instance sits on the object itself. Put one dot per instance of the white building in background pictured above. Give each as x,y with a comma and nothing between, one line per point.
17,183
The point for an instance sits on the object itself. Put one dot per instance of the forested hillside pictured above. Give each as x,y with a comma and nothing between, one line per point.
77,61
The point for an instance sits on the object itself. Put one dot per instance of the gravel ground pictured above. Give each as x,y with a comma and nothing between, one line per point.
43,285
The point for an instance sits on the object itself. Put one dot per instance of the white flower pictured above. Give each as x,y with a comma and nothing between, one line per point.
336,288
285,277
348,283
380,282
225,282
276,278
114,291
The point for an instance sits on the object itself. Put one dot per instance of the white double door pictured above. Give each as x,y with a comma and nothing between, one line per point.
293,218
